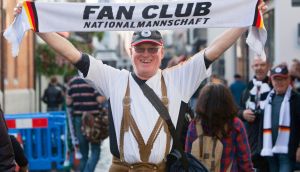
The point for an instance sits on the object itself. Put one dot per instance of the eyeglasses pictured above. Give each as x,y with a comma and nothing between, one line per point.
151,50
280,79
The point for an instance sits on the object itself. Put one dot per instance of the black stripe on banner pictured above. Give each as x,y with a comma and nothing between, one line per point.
256,13
35,17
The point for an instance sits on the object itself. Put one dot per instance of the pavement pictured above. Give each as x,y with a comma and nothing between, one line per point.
105,157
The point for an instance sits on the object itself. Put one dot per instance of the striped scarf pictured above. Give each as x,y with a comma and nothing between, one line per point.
282,141
258,91
84,17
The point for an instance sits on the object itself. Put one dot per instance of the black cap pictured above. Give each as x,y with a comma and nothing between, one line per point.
280,70
145,36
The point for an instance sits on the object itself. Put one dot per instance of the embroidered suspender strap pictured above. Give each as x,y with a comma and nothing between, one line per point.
164,113
168,135
128,122
165,101
145,150
124,122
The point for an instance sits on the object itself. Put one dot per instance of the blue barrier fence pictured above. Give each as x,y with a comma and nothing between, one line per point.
43,137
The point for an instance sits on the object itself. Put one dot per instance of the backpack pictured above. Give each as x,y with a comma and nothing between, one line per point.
95,126
208,150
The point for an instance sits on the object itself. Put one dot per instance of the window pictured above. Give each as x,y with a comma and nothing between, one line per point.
296,3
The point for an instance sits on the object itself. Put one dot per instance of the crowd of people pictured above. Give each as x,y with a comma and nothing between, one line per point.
256,131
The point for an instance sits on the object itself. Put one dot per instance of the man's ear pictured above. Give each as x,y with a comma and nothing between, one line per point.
269,66
162,52
130,51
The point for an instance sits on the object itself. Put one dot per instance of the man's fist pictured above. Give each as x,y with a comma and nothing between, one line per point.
248,115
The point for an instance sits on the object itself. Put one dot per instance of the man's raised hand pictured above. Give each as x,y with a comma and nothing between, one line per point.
18,9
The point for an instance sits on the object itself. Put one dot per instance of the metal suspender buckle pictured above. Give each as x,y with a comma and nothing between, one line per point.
126,101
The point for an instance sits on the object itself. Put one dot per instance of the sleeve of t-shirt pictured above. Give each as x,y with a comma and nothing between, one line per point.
207,62
83,64
187,76
97,74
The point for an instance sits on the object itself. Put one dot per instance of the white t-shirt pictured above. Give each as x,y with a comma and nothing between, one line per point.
181,82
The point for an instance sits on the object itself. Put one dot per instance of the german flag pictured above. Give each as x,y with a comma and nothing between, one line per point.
258,18
32,15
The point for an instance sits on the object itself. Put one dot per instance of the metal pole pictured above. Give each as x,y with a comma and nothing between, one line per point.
2,54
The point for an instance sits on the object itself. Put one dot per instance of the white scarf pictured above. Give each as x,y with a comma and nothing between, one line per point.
55,17
282,141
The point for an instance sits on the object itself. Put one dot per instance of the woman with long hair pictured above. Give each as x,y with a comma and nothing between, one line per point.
216,116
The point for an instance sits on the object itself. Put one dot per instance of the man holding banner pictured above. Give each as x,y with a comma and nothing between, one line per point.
139,138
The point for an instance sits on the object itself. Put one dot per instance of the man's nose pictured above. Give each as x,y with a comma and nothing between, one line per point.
146,51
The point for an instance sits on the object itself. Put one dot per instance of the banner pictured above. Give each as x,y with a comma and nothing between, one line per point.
87,17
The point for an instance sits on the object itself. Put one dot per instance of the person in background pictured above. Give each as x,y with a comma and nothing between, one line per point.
281,123
7,158
53,95
237,88
252,105
216,114
295,74
83,98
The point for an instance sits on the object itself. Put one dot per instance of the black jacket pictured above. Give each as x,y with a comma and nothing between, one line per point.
254,136
7,159
53,96
295,124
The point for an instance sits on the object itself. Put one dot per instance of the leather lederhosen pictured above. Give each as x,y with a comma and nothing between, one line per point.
119,165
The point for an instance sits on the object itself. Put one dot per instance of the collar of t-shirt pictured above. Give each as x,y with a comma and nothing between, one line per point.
137,79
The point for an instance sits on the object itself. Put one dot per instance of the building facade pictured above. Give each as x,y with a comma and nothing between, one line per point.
17,74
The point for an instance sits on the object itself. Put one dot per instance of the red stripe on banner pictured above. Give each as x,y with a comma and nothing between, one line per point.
258,21
40,123
11,123
29,5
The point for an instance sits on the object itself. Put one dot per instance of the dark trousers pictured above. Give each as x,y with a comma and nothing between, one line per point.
260,163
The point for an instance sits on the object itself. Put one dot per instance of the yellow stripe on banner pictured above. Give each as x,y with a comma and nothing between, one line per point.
262,25
28,16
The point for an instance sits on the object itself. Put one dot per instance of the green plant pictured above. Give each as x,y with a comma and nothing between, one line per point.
48,62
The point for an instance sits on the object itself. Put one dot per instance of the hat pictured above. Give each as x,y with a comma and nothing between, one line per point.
145,36
281,71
